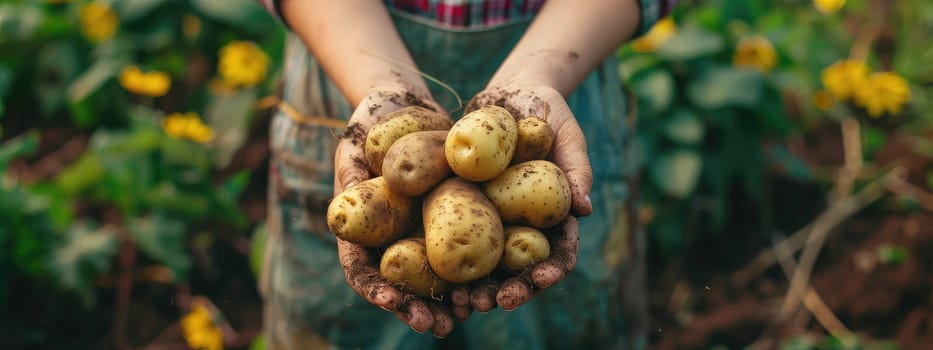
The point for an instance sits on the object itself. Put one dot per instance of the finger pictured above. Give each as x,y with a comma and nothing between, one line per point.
364,279
462,313
546,274
570,154
460,296
483,298
443,321
349,160
416,315
563,259
513,293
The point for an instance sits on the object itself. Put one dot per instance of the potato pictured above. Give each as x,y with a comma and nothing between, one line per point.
524,247
534,193
481,144
416,163
393,126
370,214
462,231
405,264
534,140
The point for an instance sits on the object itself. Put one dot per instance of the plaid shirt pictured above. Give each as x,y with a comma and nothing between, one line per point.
485,13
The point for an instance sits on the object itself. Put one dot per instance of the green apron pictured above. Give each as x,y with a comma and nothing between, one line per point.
308,303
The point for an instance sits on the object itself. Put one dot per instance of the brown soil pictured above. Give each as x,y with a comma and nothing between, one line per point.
702,306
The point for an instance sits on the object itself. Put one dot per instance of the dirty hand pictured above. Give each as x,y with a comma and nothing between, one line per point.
360,266
569,153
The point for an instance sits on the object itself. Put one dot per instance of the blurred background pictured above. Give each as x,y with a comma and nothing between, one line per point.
786,150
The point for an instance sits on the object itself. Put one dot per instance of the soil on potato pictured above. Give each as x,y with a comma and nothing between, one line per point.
695,303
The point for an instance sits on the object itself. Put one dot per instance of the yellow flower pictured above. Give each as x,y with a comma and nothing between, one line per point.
98,21
242,64
187,126
842,77
152,84
191,26
755,52
200,331
882,92
828,6
661,32
823,100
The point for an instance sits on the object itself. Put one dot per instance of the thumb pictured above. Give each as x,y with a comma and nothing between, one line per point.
349,159
571,156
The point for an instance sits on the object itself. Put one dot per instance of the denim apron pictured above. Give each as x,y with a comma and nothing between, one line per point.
308,303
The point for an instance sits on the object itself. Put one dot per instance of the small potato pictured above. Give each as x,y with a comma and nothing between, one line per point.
370,214
405,264
416,163
534,193
393,126
524,247
534,140
462,230
481,144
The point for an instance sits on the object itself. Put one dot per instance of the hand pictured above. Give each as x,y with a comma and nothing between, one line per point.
360,266
569,153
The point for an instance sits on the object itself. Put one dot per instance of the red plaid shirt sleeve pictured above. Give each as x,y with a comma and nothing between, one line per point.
487,13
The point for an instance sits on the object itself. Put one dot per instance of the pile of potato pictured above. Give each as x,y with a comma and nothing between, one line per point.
483,187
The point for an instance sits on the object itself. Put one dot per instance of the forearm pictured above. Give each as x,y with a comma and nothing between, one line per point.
559,49
355,42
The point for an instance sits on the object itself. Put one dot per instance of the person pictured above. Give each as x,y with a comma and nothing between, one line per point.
358,60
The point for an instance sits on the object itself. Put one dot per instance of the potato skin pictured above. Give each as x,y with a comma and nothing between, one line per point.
524,247
535,139
480,145
462,230
393,126
405,264
370,214
416,163
534,193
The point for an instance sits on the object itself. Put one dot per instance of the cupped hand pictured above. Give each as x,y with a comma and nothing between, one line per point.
360,265
569,153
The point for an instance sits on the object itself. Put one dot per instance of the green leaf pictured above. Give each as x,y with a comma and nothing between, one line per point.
81,175
631,66
57,203
19,22
930,180
246,14
770,113
58,65
873,139
691,42
257,248
93,78
86,251
678,172
258,343
717,87
163,239
6,82
19,146
228,115
891,254
167,196
186,153
655,90
132,10
685,127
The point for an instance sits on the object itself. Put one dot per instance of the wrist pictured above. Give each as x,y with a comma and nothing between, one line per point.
556,69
